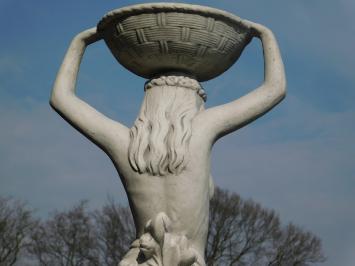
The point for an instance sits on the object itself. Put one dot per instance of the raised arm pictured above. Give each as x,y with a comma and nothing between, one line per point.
221,120
94,125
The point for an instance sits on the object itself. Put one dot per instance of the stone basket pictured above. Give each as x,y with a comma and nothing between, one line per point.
149,39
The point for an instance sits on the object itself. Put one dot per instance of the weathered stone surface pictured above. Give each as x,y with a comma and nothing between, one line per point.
164,159
150,39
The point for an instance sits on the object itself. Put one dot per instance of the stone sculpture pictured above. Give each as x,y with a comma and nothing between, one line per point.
164,159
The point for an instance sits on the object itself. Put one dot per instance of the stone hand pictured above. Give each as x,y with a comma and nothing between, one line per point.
89,36
256,28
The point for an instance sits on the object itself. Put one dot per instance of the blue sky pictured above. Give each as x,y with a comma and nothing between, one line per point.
299,159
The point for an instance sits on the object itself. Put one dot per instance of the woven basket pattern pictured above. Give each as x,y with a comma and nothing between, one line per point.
150,43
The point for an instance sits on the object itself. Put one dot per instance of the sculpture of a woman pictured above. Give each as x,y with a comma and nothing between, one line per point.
164,159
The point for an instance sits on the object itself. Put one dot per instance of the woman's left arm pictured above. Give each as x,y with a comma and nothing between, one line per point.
218,121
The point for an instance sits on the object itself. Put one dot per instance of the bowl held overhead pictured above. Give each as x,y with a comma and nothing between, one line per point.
149,39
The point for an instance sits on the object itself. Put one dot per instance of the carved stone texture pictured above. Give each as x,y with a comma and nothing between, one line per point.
151,39
160,246
163,160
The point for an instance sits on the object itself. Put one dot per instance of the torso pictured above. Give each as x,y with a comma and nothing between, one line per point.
184,197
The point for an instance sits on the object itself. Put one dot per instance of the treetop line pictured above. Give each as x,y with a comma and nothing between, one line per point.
240,233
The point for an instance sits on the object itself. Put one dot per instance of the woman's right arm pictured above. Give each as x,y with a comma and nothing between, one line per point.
100,129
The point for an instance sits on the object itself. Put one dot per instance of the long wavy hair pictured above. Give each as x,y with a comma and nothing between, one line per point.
161,133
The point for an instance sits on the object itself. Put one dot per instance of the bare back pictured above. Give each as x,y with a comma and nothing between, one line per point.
183,197
168,188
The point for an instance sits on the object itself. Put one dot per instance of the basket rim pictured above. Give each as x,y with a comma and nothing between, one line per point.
138,9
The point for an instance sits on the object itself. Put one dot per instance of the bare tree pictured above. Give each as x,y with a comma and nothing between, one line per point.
115,230
15,223
294,246
239,230
243,233
66,239
82,237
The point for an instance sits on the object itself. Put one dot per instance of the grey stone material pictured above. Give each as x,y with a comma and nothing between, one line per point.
150,39
163,160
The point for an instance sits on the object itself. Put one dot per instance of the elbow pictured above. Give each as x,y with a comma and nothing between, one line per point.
54,104
58,100
55,100
279,92
282,90
275,92
279,84
278,88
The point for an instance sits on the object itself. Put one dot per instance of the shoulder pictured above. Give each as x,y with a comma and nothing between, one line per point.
203,131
